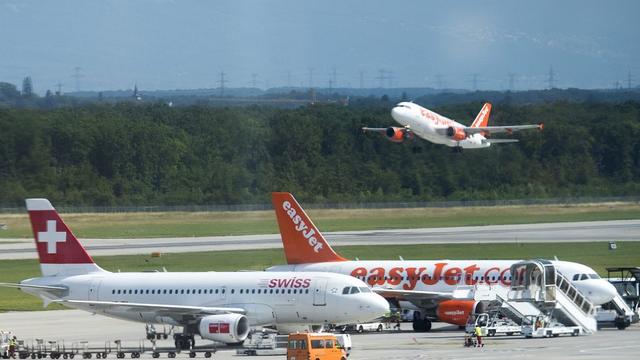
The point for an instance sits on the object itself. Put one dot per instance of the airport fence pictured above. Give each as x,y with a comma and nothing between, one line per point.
353,205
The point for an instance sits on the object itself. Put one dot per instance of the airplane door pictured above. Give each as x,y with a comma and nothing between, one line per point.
94,287
320,293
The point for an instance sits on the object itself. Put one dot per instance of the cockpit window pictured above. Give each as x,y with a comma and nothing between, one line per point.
583,277
594,276
345,290
404,106
576,277
365,289
354,290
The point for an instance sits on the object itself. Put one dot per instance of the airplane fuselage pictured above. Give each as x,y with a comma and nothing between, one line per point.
267,298
446,276
431,126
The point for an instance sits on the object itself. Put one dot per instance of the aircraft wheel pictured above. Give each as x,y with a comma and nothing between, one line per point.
192,354
379,328
360,329
207,354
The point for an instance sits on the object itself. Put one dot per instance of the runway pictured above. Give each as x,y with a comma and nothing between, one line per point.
618,230
443,342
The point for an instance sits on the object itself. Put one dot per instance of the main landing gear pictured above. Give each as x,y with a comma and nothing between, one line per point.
184,341
421,324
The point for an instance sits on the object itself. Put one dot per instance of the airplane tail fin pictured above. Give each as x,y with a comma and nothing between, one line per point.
59,250
483,116
301,239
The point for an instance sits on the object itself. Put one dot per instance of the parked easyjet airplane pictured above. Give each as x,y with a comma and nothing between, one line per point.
219,306
428,285
438,129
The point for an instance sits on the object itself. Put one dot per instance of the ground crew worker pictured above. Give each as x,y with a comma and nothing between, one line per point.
13,346
478,331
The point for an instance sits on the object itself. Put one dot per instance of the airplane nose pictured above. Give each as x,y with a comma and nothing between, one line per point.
609,291
379,306
395,112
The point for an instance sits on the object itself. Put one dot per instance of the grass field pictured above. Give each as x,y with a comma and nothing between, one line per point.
176,224
595,255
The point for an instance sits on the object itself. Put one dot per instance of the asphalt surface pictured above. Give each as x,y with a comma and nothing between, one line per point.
444,342
618,230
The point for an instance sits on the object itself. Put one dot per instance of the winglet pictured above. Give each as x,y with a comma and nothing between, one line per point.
301,239
483,116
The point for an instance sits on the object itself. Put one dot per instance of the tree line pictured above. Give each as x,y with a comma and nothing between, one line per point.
153,154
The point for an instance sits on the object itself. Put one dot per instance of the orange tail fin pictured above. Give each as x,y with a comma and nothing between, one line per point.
302,241
483,116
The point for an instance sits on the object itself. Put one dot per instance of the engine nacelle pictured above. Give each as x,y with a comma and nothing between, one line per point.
226,328
457,311
398,135
455,133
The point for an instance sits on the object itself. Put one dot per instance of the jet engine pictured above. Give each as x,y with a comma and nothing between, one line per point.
398,135
455,133
226,328
457,311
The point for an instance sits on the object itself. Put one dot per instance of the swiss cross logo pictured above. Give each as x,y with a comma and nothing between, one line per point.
219,328
52,237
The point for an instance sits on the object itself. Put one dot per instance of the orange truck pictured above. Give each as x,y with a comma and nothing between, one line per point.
315,346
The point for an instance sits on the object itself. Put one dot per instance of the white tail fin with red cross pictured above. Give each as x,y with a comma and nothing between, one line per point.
59,251
302,241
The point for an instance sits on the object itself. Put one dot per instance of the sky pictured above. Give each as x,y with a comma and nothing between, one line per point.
187,44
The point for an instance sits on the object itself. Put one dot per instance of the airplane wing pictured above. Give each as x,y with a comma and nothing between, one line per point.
167,309
499,141
413,294
501,129
380,130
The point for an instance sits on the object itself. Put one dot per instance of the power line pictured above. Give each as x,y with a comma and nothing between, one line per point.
552,78
310,77
77,76
222,82
512,81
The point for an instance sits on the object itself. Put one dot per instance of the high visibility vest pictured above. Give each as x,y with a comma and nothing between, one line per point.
478,331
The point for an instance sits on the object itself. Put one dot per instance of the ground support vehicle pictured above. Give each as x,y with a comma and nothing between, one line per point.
362,327
537,326
493,324
323,346
264,343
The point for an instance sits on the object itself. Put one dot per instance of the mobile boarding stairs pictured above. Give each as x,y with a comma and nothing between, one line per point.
539,290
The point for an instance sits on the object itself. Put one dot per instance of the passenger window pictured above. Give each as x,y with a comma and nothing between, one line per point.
317,344
307,291
118,292
241,291
113,291
233,291
289,291
216,291
223,291
270,291
253,291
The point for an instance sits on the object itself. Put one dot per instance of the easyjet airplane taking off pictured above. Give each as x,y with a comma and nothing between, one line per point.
219,306
438,129
429,286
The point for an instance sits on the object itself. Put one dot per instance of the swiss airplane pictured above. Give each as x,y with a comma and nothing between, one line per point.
438,129
218,306
427,285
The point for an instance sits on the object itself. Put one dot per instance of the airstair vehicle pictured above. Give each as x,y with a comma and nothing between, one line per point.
623,309
538,283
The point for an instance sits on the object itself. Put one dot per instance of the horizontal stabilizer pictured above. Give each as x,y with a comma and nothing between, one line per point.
37,287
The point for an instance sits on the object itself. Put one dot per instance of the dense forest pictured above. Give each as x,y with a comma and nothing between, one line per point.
121,154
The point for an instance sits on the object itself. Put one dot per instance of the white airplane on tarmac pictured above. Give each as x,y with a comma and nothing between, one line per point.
218,306
438,129
427,286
